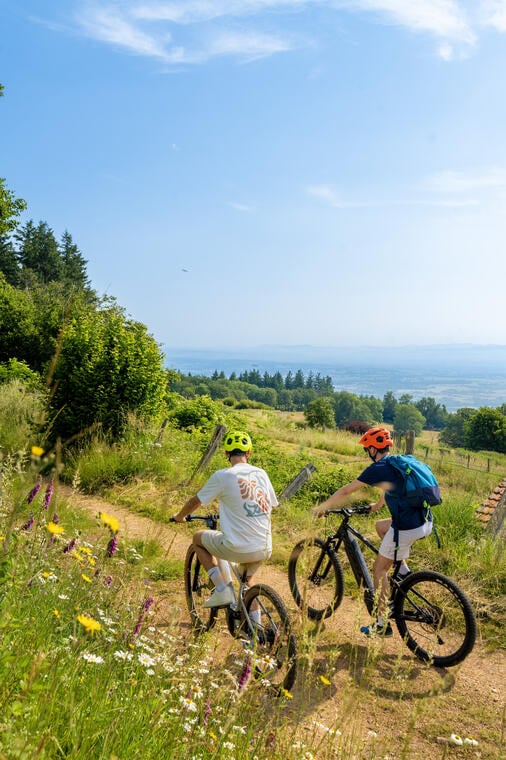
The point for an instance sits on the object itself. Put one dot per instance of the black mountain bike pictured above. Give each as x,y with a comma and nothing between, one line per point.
432,614
272,642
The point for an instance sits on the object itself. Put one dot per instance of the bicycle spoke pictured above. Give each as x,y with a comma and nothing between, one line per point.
435,618
316,578
273,644
198,587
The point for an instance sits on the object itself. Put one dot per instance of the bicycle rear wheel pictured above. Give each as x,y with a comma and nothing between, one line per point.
198,587
316,578
273,643
435,618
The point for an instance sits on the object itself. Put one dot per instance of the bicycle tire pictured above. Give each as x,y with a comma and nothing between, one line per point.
318,593
198,587
435,618
273,642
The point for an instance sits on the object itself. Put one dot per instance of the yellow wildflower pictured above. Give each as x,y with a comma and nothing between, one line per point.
54,528
37,451
325,681
90,625
85,578
91,561
56,613
287,694
110,521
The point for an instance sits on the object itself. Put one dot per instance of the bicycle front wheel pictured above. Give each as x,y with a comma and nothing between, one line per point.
435,618
316,578
198,587
273,643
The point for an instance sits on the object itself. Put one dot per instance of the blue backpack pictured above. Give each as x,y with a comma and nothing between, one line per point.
411,505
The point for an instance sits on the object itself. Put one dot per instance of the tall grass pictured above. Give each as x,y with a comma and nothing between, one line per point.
96,654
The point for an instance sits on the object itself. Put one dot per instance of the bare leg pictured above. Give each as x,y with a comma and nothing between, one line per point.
380,569
382,526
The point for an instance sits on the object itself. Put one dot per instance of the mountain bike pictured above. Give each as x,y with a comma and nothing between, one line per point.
272,642
432,614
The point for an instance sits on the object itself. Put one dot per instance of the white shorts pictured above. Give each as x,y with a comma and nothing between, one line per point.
406,539
213,541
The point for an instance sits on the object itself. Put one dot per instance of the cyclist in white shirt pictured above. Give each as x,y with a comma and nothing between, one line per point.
246,498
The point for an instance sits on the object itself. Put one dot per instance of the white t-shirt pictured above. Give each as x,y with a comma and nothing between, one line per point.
246,498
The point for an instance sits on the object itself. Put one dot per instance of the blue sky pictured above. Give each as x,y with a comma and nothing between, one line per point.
246,172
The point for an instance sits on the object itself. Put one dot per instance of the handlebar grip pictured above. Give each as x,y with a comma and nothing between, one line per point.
362,509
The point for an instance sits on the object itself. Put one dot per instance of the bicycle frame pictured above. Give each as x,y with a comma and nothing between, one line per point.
237,608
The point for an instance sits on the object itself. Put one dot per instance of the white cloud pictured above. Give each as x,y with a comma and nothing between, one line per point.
329,195
444,18
109,25
458,182
147,27
494,14
244,207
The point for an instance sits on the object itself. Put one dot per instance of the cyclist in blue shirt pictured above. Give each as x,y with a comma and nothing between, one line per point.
396,539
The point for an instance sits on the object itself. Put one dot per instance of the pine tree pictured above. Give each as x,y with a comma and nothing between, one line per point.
74,264
8,262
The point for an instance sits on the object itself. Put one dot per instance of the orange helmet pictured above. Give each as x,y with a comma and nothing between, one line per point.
378,437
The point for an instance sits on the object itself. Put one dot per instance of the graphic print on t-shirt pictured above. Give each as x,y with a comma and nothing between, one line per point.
254,495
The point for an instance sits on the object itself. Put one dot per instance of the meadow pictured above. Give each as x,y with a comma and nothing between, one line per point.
97,656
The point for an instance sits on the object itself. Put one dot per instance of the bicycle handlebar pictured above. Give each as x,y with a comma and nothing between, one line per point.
359,509
210,520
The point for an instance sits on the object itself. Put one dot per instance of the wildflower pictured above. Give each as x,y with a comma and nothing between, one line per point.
35,490
62,596
56,613
120,655
28,524
245,675
372,734
286,694
54,528
70,546
90,624
37,451
112,546
108,581
207,713
48,494
189,704
145,607
92,658
56,519
325,681
470,741
146,660
456,739
86,578
228,745
111,522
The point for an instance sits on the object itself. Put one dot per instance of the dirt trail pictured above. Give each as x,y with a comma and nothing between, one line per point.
398,695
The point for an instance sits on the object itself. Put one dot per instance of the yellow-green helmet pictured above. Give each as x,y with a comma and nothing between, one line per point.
237,440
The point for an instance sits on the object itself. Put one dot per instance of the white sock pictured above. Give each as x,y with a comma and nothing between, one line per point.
379,621
217,578
404,569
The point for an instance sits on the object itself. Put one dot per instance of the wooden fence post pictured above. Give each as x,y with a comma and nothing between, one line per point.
410,442
213,444
298,481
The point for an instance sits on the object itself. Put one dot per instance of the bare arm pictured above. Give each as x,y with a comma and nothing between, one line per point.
190,506
338,498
